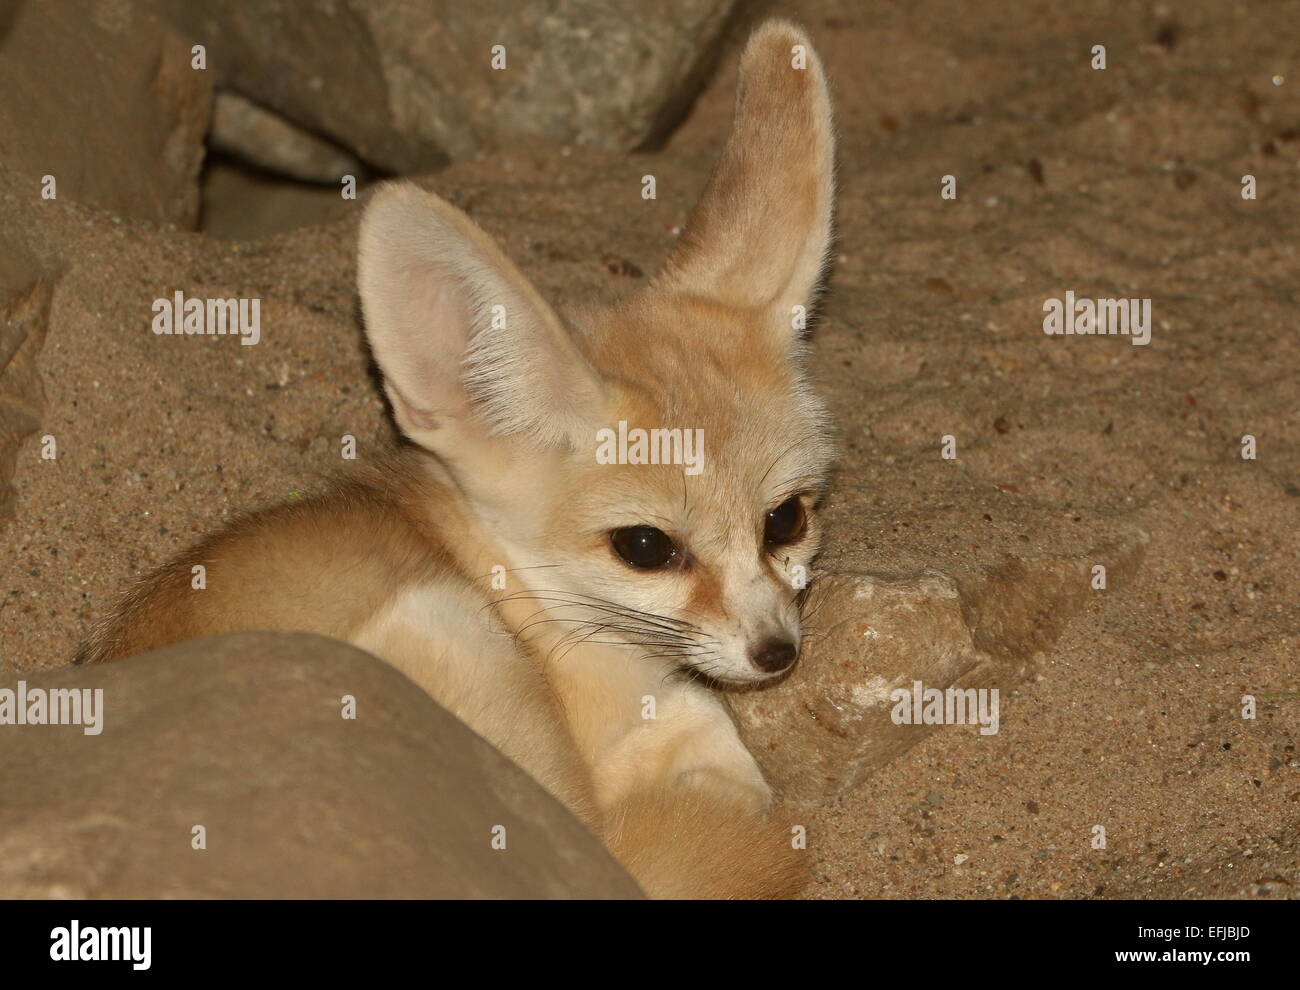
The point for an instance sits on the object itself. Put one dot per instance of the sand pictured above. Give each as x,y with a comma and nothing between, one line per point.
1117,182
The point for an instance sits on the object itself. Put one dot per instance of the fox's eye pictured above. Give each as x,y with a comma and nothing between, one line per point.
785,523
643,546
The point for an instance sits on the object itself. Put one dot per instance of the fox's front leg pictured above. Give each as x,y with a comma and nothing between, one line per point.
688,812
639,730
691,742
684,806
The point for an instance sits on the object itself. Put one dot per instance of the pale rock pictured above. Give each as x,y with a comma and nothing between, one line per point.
825,728
244,735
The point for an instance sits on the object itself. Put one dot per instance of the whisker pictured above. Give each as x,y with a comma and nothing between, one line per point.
511,570
618,627
603,622
650,618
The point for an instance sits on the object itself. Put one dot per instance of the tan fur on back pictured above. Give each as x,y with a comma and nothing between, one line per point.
274,571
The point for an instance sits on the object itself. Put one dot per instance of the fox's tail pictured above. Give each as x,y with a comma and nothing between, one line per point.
693,844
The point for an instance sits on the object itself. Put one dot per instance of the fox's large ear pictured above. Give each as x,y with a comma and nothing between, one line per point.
461,336
759,235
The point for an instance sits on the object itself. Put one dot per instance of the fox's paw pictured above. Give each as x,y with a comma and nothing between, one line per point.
753,796
688,843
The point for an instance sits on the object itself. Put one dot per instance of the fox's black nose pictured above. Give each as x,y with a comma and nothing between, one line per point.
773,655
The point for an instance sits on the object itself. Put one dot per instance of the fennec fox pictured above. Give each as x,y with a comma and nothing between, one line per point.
617,576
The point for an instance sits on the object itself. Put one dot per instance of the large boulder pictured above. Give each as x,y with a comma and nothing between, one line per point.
245,737
613,74
313,62
407,84
103,98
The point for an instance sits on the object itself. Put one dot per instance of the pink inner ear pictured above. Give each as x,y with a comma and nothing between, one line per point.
424,356
408,416
430,283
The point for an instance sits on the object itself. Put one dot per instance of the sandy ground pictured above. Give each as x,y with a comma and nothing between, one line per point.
1122,182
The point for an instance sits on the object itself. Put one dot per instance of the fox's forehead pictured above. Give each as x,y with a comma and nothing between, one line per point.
674,360
737,426
677,345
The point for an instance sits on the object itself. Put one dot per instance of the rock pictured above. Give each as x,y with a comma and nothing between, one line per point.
614,74
407,84
823,730
246,131
243,735
25,293
314,62
107,104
